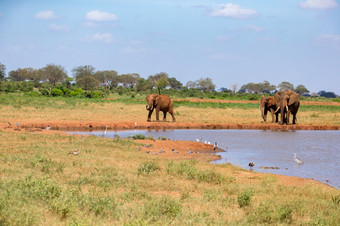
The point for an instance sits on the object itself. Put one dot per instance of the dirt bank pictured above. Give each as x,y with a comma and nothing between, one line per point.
93,125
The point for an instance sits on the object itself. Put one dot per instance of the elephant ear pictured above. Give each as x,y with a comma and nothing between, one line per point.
294,97
157,98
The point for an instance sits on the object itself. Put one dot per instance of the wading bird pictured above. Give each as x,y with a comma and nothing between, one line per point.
298,161
251,165
104,133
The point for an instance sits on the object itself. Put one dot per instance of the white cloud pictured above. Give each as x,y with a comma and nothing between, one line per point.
99,16
232,11
319,4
100,37
253,28
46,15
59,28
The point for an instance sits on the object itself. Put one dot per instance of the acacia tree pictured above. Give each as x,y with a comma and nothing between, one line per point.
283,86
83,71
129,80
2,71
53,73
162,83
109,78
301,89
206,84
143,84
23,74
175,84
87,82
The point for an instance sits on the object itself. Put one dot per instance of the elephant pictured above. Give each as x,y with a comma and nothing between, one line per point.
160,103
268,104
288,102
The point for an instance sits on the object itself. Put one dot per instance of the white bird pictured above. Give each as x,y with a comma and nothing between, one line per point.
104,133
136,124
48,127
75,152
298,161
197,140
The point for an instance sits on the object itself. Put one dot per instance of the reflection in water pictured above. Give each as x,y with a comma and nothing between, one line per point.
270,151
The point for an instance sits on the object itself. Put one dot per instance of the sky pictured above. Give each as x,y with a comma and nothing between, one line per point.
229,41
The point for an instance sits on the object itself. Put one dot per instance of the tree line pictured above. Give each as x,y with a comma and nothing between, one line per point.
87,78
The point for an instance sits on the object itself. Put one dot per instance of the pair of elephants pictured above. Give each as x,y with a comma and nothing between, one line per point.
283,103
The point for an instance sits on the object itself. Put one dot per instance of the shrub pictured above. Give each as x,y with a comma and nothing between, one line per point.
56,92
44,92
147,167
76,92
162,207
97,94
244,197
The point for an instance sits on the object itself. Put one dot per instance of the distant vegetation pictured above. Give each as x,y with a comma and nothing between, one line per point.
52,80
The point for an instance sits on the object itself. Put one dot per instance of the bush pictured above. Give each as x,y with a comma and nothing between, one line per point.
56,92
44,92
97,94
147,167
162,207
243,198
76,92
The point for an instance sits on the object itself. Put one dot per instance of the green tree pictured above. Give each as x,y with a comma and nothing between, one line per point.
206,84
175,84
129,80
87,82
2,71
154,78
143,85
301,89
162,84
53,73
23,74
109,78
191,84
283,86
82,71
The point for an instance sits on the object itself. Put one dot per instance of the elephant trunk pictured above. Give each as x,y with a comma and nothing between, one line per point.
262,113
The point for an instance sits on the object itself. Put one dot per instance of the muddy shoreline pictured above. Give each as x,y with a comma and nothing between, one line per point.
91,125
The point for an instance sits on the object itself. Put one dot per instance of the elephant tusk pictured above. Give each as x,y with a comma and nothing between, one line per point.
277,109
287,108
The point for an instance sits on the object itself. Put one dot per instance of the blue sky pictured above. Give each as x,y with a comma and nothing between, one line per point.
232,42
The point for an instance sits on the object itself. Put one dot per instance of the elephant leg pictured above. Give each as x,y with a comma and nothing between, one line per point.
164,116
173,116
294,118
157,115
272,112
149,115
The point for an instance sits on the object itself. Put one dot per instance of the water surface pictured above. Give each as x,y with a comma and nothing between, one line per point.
319,150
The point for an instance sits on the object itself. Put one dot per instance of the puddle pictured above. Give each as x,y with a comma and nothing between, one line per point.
270,151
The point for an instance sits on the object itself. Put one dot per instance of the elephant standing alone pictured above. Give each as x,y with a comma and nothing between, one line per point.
160,103
287,102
